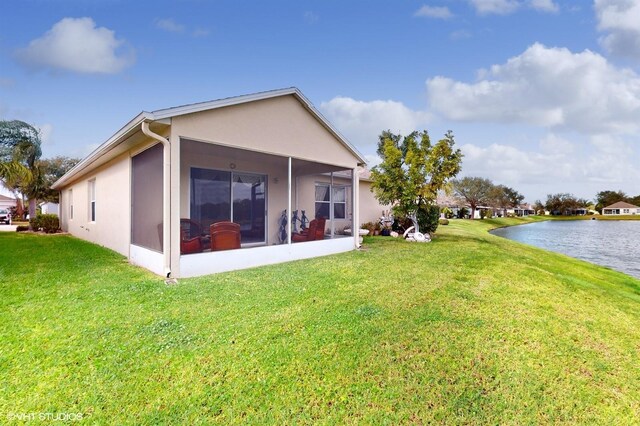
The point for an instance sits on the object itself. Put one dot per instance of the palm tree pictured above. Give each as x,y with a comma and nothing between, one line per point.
19,153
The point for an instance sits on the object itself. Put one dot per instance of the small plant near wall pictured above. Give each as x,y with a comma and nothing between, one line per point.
48,223
369,226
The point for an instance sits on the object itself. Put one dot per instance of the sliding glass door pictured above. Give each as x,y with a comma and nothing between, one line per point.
230,196
249,206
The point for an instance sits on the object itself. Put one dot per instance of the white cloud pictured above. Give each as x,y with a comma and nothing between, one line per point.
200,32
77,45
505,7
620,21
553,144
311,17
497,7
460,35
549,87
168,24
171,26
46,133
372,160
512,166
544,5
362,122
584,169
611,162
438,12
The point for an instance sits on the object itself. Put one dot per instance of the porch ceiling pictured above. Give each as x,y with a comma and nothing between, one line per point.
299,167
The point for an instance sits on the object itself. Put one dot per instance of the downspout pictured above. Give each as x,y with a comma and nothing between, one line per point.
166,196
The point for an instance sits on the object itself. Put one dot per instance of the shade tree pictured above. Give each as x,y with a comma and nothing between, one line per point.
475,191
412,171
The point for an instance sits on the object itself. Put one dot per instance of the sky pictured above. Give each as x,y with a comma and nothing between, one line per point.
541,95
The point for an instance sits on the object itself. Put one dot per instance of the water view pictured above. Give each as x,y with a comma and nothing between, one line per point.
615,244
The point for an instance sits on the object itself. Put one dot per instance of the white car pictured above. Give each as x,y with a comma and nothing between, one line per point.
5,217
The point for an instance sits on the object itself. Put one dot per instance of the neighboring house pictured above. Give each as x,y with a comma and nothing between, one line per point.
620,208
50,208
6,202
245,159
522,210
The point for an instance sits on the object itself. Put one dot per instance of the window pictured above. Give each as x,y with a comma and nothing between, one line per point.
328,200
339,202
626,211
323,200
71,204
92,200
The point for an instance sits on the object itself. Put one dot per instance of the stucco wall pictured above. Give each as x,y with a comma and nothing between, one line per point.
279,126
112,225
370,208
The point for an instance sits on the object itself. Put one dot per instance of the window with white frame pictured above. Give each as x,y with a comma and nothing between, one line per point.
92,200
71,204
331,200
339,202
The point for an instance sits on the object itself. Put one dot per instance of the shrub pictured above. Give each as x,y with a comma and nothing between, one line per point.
447,212
21,228
463,212
428,218
443,221
48,223
371,226
36,222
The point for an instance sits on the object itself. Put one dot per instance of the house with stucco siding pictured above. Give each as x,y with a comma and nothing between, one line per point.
255,161
620,208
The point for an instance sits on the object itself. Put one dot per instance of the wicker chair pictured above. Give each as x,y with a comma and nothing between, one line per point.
190,237
315,231
225,236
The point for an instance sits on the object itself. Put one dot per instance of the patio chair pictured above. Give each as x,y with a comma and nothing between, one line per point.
315,231
190,237
225,236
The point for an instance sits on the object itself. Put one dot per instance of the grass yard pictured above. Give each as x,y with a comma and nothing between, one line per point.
469,329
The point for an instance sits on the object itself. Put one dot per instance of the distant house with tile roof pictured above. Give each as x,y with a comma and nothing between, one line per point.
620,208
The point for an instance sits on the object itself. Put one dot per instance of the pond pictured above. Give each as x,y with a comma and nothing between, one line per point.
611,243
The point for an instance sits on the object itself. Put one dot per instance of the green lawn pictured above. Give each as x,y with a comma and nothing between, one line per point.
469,329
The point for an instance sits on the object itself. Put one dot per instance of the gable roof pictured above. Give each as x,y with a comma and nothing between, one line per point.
165,114
621,205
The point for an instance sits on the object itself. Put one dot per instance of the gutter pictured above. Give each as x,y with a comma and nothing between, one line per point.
166,195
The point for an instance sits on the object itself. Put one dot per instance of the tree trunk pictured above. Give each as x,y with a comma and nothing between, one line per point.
32,208
414,219
473,212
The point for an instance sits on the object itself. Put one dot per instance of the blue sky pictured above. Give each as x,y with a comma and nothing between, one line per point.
542,95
